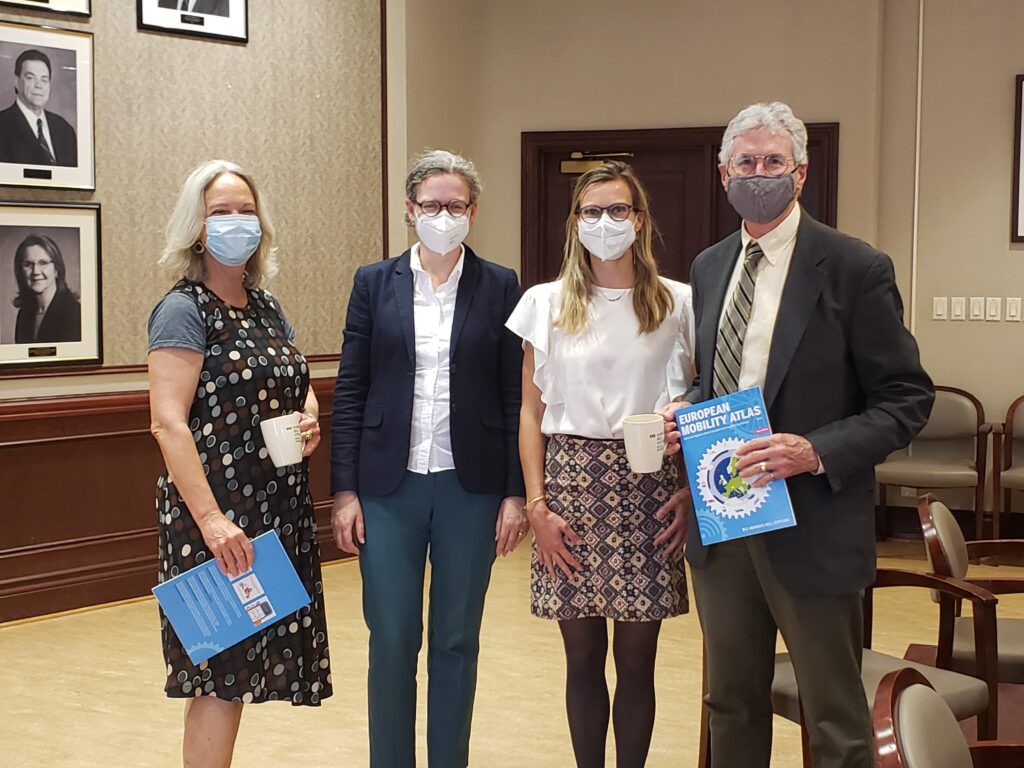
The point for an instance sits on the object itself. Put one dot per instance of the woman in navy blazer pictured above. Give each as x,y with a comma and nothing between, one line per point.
424,459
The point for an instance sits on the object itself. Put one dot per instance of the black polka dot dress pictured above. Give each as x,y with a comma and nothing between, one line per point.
250,372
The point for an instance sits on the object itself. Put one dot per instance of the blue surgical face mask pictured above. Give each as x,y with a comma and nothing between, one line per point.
231,240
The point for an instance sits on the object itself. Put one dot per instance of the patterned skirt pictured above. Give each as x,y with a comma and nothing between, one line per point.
624,576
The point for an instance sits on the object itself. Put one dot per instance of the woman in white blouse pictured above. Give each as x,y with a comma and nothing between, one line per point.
608,339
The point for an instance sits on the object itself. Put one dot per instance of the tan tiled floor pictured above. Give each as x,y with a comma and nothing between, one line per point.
85,689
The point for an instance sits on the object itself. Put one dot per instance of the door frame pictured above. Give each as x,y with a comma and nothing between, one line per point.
534,145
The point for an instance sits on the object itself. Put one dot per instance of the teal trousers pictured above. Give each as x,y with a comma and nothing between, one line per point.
427,516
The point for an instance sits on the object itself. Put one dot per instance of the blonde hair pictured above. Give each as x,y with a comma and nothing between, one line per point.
180,257
652,301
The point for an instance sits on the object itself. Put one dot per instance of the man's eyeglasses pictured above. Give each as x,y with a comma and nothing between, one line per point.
774,165
616,211
431,208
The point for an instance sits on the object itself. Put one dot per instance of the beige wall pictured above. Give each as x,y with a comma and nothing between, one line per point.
970,58
299,106
668,63
654,64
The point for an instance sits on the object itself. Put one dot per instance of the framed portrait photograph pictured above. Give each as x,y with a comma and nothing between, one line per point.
50,302
76,7
46,118
221,19
1017,224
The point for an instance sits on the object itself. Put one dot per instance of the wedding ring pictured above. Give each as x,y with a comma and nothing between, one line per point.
764,467
308,435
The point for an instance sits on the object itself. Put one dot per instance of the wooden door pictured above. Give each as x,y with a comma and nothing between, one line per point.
679,168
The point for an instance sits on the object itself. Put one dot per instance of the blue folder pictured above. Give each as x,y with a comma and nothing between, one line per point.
728,506
211,612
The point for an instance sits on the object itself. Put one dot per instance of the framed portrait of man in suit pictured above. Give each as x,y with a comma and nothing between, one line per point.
50,300
46,114
220,19
76,7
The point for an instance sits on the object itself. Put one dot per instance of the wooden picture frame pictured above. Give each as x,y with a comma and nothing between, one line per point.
71,7
1017,222
218,19
50,285
46,78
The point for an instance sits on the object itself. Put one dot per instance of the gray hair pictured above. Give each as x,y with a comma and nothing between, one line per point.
435,162
774,117
179,257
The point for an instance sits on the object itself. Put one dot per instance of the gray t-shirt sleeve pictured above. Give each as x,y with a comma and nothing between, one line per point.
176,324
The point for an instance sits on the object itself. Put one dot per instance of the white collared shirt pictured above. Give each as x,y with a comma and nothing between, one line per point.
771,279
33,119
430,439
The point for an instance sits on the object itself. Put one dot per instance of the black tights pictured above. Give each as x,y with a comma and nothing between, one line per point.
635,646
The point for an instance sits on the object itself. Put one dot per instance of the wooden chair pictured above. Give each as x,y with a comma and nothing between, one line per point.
914,728
966,695
949,556
950,452
1008,461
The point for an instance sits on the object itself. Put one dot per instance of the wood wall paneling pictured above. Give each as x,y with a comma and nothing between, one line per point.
78,523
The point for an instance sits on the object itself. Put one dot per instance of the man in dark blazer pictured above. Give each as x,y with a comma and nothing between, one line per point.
29,134
208,7
814,317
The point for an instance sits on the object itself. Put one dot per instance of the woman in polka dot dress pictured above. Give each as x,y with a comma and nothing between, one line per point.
222,358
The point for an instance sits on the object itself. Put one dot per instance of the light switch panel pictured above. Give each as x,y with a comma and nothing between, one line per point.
1013,309
958,308
976,308
993,308
940,308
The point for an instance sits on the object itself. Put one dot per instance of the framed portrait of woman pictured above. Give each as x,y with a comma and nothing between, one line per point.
73,7
50,298
46,116
221,19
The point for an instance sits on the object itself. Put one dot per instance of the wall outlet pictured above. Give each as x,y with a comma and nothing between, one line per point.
994,308
976,308
908,493
1013,309
940,308
958,308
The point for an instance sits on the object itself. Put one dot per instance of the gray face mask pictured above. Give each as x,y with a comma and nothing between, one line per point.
760,199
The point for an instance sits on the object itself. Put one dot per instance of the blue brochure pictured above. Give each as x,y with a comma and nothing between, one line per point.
211,612
727,505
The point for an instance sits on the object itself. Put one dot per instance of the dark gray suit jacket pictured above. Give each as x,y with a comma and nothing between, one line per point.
18,143
845,373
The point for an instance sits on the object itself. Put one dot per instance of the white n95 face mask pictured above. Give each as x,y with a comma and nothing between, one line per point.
442,233
606,238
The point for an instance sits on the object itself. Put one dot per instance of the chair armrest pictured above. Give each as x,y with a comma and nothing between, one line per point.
1001,586
997,754
1009,550
956,588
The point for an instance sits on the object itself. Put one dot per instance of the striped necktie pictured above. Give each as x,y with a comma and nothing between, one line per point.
41,137
733,328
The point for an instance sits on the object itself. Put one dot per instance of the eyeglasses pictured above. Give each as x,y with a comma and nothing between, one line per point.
431,208
774,165
617,212
28,265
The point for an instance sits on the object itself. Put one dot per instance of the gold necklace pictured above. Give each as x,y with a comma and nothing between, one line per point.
617,298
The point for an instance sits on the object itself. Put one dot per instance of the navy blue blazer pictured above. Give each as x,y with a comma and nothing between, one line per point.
373,395
845,373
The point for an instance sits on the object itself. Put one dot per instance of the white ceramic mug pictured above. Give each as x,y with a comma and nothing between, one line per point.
644,435
283,439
